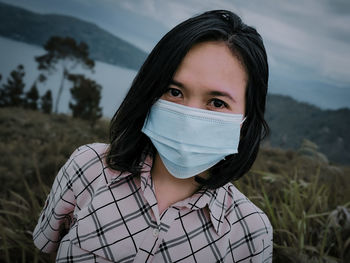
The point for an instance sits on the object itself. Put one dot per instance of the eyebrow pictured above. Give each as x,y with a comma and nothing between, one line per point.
176,83
212,93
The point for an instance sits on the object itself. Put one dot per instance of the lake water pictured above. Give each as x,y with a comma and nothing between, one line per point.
115,81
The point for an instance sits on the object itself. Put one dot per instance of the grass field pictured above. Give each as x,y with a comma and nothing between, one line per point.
306,198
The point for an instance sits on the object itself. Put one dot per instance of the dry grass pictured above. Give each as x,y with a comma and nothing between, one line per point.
305,197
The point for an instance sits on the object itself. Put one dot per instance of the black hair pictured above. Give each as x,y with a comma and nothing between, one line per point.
128,144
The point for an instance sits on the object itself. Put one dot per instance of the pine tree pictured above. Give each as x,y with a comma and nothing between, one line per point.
32,97
87,96
67,53
46,102
11,93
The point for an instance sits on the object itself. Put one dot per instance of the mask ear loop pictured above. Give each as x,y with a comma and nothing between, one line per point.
239,124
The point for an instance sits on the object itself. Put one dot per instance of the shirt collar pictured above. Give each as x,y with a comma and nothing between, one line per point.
218,206
214,199
146,178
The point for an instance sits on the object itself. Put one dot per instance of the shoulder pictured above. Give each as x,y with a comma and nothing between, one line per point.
243,207
87,159
238,210
251,232
85,167
88,152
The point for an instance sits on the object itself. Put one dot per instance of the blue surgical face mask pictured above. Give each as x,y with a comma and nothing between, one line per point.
190,140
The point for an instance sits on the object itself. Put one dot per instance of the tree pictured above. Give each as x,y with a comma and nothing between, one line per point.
32,97
66,53
87,96
46,102
11,93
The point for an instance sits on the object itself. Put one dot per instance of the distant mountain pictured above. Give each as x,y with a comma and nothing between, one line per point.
291,122
22,25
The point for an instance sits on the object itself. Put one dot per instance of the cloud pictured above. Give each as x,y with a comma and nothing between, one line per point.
314,34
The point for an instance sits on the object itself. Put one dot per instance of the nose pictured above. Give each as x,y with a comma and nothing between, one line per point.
194,102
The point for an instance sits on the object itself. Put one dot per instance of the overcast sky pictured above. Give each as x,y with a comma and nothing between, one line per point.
308,41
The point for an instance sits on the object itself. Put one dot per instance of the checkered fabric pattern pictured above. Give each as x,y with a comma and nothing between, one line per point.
96,214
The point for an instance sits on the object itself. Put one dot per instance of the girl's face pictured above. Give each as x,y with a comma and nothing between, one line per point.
210,77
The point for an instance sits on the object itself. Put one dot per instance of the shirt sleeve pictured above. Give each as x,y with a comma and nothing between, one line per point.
268,246
264,245
263,248
56,216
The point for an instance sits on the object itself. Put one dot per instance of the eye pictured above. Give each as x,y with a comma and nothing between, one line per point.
174,92
219,104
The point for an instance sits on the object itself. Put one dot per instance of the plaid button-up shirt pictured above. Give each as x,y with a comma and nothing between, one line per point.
95,214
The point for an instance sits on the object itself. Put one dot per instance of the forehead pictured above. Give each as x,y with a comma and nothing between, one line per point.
212,63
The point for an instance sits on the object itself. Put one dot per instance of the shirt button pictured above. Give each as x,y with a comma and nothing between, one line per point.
155,232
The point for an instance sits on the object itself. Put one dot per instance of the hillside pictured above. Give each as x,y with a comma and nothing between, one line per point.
22,25
36,142
291,122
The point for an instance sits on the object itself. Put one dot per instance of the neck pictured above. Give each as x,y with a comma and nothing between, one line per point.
168,188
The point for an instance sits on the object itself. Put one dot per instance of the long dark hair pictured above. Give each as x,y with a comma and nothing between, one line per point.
128,144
